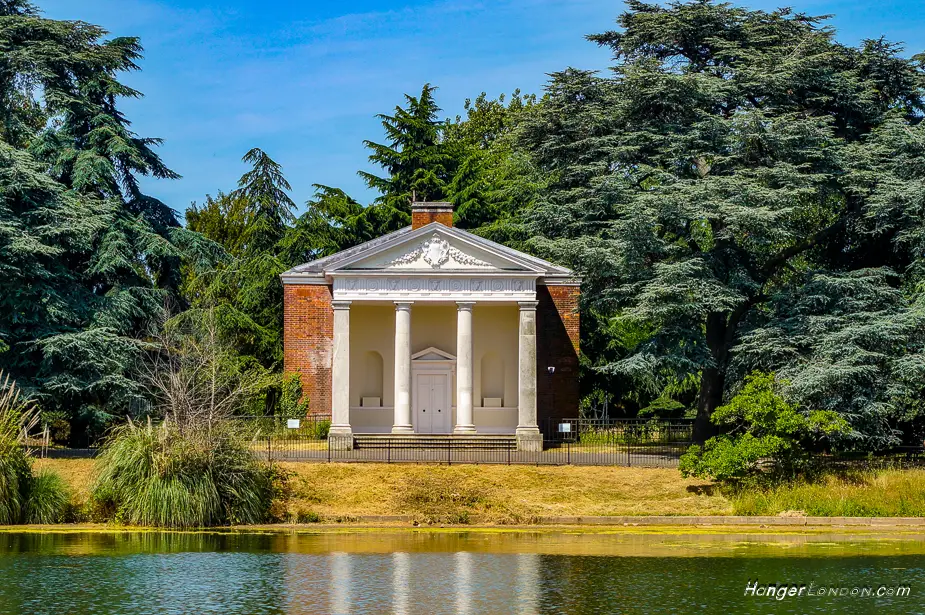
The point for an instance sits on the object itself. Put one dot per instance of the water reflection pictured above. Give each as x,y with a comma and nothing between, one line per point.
428,572
401,578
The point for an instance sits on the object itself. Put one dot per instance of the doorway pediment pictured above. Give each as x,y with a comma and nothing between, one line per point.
432,355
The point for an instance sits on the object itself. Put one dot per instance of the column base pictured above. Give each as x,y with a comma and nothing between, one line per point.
340,438
402,429
464,430
529,439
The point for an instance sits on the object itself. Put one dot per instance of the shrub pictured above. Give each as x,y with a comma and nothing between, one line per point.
48,499
663,408
292,402
765,432
59,426
17,418
170,477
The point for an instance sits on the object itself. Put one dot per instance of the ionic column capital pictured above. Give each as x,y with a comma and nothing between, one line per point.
403,305
465,306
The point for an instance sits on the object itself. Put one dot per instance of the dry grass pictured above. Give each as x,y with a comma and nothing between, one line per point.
520,494
870,493
77,473
494,494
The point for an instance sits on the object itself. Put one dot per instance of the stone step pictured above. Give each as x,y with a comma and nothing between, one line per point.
427,441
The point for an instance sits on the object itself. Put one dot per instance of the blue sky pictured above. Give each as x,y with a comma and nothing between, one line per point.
303,80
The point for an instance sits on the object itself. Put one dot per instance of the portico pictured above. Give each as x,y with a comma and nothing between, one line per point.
432,331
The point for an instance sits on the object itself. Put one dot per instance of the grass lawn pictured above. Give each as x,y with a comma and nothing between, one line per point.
494,494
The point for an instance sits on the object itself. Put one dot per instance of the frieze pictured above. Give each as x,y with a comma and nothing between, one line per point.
383,287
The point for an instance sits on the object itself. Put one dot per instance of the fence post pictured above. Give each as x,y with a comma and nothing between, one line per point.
449,461
568,452
388,444
269,456
509,453
329,449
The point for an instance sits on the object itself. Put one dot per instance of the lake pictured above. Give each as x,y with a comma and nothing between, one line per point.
442,571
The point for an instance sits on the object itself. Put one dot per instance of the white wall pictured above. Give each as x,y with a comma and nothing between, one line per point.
372,328
495,332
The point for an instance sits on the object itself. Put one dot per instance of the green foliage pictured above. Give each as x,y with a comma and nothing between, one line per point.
48,499
241,290
292,402
17,418
59,427
493,181
663,408
24,496
855,493
762,431
734,159
167,477
87,260
417,162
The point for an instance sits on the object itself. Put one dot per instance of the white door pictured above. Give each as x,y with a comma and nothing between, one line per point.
433,412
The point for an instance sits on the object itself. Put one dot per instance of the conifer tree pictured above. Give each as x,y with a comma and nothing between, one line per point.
100,258
417,162
726,163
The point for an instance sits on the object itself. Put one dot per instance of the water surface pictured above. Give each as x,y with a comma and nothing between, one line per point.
451,572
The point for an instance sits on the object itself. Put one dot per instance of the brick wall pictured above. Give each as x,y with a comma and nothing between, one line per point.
557,334
423,218
308,333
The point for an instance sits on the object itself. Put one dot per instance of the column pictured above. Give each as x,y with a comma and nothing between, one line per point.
464,423
341,434
528,434
402,368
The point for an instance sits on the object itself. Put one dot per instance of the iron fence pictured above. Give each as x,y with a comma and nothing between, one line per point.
648,443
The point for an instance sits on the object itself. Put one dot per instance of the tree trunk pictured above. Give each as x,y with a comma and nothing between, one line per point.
712,383
713,378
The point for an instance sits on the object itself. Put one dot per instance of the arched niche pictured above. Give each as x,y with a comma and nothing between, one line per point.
492,371
372,375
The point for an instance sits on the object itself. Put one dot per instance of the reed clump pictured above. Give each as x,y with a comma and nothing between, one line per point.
24,496
168,475
853,493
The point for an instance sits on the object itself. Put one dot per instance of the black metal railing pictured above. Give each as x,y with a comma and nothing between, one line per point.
654,443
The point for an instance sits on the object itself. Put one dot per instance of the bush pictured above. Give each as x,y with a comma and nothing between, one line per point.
48,500
59,426
17,418
663,408
165,476
765,433
292,402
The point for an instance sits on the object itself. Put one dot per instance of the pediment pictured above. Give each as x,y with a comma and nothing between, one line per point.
436,248
432,354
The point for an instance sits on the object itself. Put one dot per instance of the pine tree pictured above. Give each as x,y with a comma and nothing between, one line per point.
716,169
268,206
101,257
415,158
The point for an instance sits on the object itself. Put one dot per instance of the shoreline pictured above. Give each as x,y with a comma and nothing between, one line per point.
590,525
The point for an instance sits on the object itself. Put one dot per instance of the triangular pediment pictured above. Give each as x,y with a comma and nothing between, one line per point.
436,248
432,354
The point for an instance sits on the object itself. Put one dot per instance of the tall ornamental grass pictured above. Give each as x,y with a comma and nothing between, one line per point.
167,476
24,497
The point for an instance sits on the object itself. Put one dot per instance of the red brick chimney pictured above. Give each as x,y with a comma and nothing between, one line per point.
425,213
